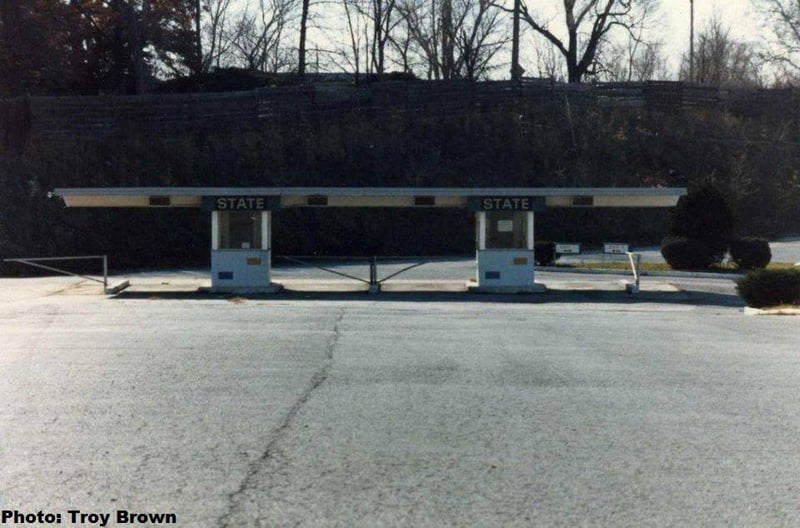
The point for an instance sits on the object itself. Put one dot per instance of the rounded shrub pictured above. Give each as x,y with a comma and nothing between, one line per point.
544,252
704,214
683,253
762,287
750,252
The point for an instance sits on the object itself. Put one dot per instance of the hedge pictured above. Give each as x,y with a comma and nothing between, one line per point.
760,288
544,252
683,253
750,252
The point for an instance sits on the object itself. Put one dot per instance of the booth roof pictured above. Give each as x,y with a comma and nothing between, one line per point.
370,191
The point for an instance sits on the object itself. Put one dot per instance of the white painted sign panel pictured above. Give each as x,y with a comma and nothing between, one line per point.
505,226
615,248
568,249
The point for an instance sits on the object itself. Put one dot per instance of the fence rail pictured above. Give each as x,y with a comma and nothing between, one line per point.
35,262
316,261
46,118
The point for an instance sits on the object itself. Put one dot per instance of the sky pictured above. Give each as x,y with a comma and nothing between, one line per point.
738,15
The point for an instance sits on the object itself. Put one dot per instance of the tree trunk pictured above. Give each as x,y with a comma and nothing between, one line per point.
574,74
136,40
447,39
198,40
79,74
301,60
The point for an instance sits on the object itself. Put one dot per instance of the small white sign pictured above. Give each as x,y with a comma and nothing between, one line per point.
505,226
615,249
568,249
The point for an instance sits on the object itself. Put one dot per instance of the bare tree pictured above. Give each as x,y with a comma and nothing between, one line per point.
784,16
258,33
216,32
455,38
722,60
358,40
401,42
385,18
478,42
548,62
634,57
587,26
371,23
423,29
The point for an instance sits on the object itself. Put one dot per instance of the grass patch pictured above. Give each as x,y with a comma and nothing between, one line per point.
780,265
784,309
661,266
616,266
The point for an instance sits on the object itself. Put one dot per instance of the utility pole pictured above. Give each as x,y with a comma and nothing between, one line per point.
515,69
691,40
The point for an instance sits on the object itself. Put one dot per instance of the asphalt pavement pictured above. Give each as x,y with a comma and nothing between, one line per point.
587,408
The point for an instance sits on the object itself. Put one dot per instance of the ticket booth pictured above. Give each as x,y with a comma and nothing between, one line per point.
504,239
240,244
241,221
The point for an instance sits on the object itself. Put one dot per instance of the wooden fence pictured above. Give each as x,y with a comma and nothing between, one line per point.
56,118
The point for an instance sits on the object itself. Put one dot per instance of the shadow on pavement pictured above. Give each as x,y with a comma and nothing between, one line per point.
693,298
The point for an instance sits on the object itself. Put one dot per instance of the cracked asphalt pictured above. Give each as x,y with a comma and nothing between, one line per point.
352,410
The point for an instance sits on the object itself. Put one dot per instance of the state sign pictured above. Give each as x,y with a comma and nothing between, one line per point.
240,203
508,203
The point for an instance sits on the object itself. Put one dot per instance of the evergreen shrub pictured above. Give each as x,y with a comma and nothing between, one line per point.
750,252
704,215
683,253
762,287
544,252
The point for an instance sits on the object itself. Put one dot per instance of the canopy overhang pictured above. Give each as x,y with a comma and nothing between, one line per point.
287,197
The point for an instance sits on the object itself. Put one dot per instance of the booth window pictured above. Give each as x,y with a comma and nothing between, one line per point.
239,230
507,230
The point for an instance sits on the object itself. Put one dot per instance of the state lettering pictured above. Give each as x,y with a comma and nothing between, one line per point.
506,203
240,203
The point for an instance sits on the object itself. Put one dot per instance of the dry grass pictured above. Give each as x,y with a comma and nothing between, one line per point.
657,266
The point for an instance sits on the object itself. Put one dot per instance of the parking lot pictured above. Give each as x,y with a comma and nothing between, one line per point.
581,406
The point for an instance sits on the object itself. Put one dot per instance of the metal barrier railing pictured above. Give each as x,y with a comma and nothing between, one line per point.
373,261
34,262
303,260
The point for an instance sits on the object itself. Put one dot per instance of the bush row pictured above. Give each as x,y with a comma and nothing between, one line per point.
544,252
761,288
683,253
750,253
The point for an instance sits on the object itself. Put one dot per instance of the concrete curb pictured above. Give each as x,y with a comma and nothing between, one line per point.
115,289
680,274
771,311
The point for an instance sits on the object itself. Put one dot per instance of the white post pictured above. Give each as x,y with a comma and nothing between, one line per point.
480,242
214,230
266,238
530,230
481,230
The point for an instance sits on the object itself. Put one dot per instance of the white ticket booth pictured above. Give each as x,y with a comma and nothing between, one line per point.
505,236
240,243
